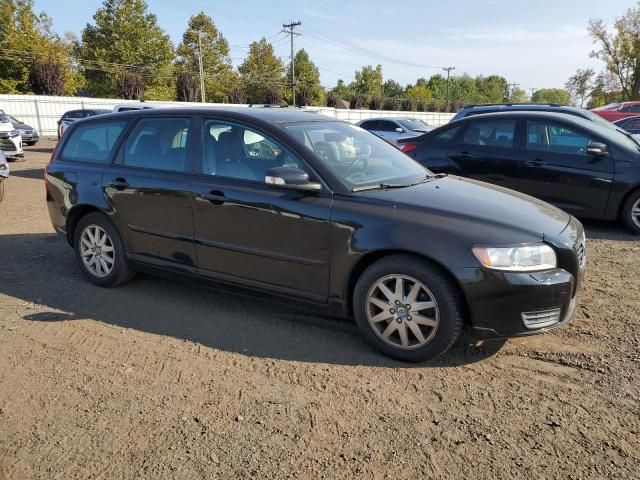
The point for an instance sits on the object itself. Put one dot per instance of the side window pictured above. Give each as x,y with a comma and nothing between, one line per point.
497,133
449,134
92,142
634,108
633,124
158,143
235,151
386,126
547,137
370,125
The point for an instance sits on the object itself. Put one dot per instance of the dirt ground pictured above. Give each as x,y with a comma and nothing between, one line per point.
163,379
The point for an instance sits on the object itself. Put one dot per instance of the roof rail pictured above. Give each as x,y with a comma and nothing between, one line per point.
476,105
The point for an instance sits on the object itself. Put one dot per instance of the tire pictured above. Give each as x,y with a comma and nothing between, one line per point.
1,190
631,212
30,144
440,325
118,270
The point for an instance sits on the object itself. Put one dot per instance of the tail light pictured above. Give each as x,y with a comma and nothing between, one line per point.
408,147
53,154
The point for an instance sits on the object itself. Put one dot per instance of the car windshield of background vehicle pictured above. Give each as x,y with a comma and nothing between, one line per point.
357,157
414,124
619,137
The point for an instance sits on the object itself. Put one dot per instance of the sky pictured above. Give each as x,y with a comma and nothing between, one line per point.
536,44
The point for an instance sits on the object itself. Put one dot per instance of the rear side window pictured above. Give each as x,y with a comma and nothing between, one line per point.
92,142
448,134
370,125
158,144
498,133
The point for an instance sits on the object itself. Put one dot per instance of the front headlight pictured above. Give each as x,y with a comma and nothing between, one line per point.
14,133
525,258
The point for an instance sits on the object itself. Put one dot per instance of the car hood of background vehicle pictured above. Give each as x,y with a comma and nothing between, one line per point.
494,213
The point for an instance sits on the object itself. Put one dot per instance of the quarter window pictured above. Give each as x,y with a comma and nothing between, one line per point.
159,144
546,137
370,125
499,133
448,134
237,152
92,142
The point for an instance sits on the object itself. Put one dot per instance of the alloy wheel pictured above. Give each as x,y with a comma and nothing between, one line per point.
402,311
635,213
96,250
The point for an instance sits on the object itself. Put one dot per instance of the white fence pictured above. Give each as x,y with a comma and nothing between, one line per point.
43,112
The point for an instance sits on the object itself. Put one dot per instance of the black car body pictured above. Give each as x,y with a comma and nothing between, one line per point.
629,124
289,203
587,170
29,134
72,115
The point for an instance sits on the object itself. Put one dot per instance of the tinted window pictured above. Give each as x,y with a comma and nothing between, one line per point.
414,124
634,108
233,151
497,133
633,124
158,143
93,142
370,125
548,137
448,134
386,126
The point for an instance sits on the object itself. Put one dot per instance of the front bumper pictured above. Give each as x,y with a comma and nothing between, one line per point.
29,136
11,146
507,304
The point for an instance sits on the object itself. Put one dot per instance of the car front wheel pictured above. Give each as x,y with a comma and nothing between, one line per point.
100,252
408,308
631,213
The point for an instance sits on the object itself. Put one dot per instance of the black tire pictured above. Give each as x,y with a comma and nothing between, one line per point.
627,212
445,292
1,190
30,144
122,270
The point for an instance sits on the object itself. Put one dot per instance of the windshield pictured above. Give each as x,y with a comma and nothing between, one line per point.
356,156
619,137
414,124
599,120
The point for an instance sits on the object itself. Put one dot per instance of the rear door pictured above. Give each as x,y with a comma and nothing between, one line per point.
557,168
149,190
488,150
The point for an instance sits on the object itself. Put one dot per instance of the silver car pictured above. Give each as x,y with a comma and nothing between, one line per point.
392,129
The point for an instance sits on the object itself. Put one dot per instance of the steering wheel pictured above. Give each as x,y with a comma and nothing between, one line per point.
357,161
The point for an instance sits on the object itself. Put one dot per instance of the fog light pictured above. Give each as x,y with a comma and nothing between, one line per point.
541,318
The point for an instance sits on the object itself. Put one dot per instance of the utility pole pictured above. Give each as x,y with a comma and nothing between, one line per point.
202,94
288,29
448,70
512,89
533,90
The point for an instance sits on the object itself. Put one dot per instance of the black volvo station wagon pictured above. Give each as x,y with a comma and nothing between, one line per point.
297,204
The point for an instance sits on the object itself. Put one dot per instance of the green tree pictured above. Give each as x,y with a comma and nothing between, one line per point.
216,62
342,91
125,38
620,50
438,86
418,93
492,89
28,40
518,95
262,72
552,95
392,89
308,89
580,85
465,90
606,89
368,82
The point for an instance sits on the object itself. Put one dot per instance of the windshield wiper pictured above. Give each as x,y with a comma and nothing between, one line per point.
380,186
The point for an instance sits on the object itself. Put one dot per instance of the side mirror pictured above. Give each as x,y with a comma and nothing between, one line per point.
399,130
292,178
598,149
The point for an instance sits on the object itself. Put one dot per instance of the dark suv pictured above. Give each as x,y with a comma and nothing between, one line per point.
300,205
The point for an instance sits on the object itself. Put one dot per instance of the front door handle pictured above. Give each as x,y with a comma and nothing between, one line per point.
119,183
535,163
215,197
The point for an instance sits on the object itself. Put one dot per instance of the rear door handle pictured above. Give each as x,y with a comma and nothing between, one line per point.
215,196
119,183
534,163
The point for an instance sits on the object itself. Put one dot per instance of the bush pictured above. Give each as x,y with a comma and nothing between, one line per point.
187,89
359,101
131,85
422,105
392,104
376,103
273,95
409,105
46,78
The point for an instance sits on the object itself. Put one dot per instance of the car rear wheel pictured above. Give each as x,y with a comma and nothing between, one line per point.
631,213
1,190
100,252
408,308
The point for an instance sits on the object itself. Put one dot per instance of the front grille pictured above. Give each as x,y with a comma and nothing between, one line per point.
7,145
541,318
581,252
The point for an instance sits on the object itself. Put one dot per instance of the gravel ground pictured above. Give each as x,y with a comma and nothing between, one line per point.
164,379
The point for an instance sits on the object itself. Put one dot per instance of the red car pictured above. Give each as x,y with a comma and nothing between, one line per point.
616,111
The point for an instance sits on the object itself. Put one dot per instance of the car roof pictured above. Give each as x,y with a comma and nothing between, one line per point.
523,106
270,115
532,114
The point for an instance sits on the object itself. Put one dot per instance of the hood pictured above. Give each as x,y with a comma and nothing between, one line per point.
494,213
6,127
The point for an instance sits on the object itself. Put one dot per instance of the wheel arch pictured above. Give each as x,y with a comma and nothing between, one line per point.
372,257
75,215
633,190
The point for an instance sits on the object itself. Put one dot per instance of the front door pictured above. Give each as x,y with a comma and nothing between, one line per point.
557,168
257,234
149,190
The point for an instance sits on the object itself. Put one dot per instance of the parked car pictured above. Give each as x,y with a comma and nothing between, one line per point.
72,115
629,124
617,111
481,109
392,129
294,204
10,140
29,134
132,106
589,170
4,173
